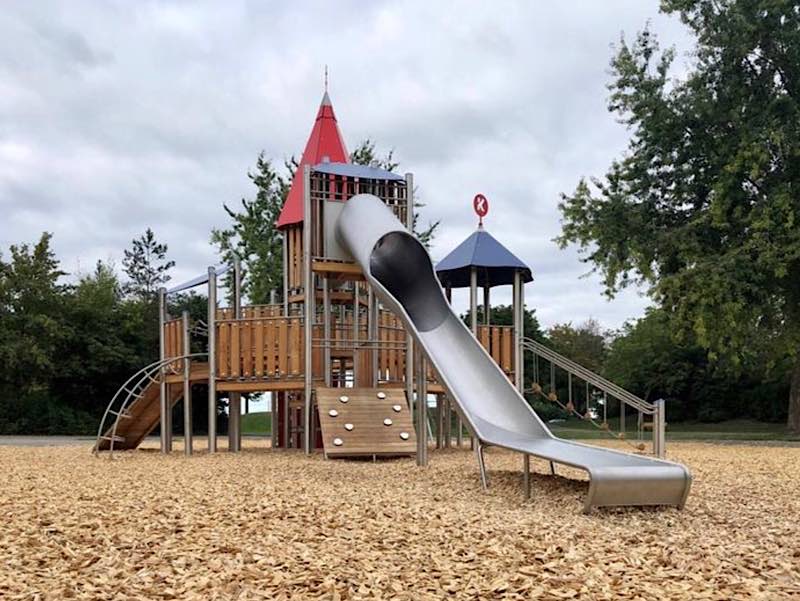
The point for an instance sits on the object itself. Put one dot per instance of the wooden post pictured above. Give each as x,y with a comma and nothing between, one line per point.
285,275
326,328
517,331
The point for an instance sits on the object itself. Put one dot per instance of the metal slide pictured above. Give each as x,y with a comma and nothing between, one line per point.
400,271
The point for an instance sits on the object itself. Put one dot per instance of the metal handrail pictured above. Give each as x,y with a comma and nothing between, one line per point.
145,373
589,376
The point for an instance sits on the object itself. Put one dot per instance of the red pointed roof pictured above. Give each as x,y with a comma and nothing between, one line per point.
324,144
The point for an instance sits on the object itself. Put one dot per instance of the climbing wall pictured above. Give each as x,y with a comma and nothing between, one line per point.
365,421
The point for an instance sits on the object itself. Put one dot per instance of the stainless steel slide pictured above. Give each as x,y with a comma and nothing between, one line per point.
401,272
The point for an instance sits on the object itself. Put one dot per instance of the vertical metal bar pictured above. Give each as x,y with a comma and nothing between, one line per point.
372,335
487,311
285,275
622,417
235,398
308,296
473,300
212,360
409,339
326,329
187,388
441,402
569,390
356,325
659,429
422,408
164,404
520,369
517,330
605,408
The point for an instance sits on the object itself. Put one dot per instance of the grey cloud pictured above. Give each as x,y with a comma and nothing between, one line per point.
119,116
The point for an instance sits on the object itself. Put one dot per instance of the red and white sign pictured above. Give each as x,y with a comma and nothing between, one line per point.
481,206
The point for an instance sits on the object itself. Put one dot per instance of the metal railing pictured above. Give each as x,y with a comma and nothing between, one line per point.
598,382
131,391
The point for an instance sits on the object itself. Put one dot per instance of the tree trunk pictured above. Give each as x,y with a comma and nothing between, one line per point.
794,399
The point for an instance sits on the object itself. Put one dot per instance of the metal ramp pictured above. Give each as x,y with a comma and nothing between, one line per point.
365,422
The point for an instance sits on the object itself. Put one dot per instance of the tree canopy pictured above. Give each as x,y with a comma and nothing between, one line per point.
702,208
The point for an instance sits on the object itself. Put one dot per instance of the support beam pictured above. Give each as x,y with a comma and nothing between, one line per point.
326,330
526,475
473,301
212,360
235,398
422,408
165,408
285,244
409,339
188,437
486,305
517,338
310,297
659,429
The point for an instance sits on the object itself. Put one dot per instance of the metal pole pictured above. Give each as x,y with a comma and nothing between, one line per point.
521,337
422,408
473,300
326,329
660,429
409,339
356,324
486,310
285,275
622,418
164,404
308,296
212,360
235,398
517,330
373,335
187,388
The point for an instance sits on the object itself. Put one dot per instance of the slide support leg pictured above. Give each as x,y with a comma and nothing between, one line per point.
526,475
479,448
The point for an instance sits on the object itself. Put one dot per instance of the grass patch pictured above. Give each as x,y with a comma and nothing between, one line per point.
736,429
257,423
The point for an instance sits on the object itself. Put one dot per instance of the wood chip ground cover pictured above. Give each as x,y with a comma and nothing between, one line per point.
279,525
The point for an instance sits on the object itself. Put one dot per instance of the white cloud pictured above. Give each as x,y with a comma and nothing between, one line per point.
120,116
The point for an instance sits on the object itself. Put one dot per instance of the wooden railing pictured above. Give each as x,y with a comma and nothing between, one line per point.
252,312
268,347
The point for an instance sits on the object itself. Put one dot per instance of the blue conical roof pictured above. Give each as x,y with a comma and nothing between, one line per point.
495,264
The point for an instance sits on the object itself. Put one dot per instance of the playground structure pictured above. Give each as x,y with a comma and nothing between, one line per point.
364,335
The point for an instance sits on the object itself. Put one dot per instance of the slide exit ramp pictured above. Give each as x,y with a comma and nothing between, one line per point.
401,273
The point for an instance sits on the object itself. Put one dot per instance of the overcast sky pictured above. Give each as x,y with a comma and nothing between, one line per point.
117,116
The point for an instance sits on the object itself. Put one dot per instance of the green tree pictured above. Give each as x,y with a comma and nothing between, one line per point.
31,319
703,207
585,343
253,235
146,266
365,154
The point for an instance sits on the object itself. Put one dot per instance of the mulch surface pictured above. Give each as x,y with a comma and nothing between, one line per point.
279,525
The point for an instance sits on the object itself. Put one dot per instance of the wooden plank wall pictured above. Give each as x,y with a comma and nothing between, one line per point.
262,348
499,342
173,343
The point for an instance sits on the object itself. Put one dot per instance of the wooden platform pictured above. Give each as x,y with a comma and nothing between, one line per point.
366,412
